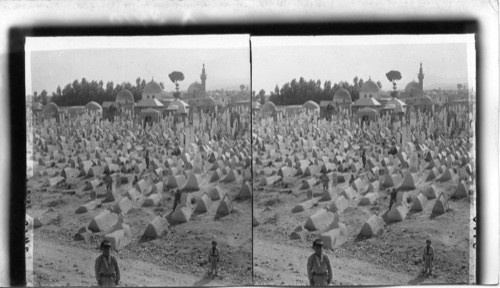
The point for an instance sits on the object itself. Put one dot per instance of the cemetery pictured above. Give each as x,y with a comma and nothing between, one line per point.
424,155
202,156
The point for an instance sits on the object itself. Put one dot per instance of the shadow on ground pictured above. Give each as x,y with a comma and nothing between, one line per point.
203,281
418,280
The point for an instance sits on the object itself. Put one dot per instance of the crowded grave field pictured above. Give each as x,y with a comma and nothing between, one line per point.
334,180
94,179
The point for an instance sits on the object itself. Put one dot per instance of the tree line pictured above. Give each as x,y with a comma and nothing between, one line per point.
79,93
298,92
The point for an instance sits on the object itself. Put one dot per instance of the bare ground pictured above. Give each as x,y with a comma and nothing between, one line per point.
393,257
177,258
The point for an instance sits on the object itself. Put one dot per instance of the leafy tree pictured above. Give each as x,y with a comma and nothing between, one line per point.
394,76
175,77
43,97
459,86
262,94
242,87
77,93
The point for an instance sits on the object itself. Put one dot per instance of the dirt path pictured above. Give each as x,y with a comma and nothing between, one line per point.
53,268
276,264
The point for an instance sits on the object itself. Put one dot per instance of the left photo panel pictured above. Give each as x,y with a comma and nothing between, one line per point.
139,160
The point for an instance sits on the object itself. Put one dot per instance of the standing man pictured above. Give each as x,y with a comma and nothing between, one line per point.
177,198
107,272
363,159
394,195
352,179
213,259
319,269
109,182
147,159
324,181
428,257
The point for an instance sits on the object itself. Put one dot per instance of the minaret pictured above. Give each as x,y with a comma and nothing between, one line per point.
421,78
203,78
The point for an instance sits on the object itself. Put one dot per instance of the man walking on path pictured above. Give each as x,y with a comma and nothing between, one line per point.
107,272
213,259
319,269
428,257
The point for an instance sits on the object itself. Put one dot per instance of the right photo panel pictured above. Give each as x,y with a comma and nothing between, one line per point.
364,166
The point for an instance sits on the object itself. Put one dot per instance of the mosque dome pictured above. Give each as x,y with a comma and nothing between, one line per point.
268,108
152,88
412,87
311,105
369,87
124,96
51,108
195,89
93,106
342,95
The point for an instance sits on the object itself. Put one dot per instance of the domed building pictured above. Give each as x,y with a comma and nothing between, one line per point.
124,100
94,107
369,94
414,95
152,90
124,97
342,97
395,105
412,88
151,95
51,110
311,106
369,89
179,109
196,89
268,109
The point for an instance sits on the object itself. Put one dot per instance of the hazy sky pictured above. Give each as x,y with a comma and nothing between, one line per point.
275,60
279,60
227,61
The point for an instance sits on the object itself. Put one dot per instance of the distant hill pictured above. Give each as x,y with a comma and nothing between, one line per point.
436,82
226,84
